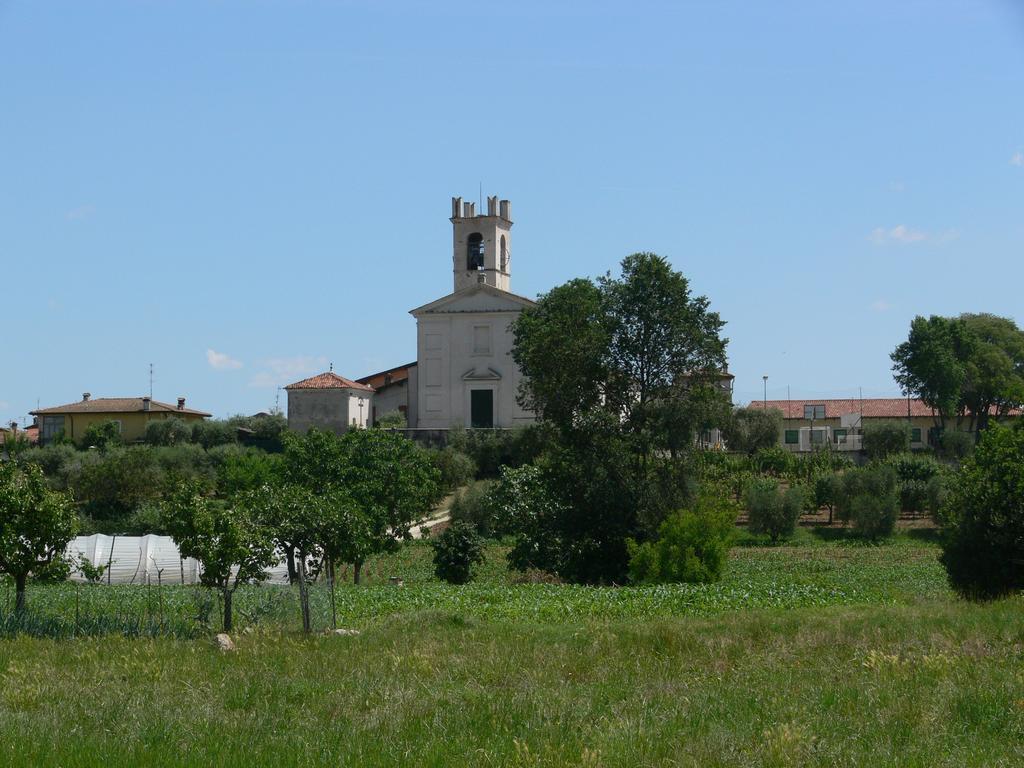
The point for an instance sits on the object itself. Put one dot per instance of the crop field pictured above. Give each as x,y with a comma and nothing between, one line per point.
820,652
807,573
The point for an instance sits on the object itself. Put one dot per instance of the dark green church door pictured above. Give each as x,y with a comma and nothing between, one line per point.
481,408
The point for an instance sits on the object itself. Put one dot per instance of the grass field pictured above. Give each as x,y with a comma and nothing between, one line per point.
820,653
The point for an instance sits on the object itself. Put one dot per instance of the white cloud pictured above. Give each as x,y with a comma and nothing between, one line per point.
279,371
880,305
81,213
220,361
906,235
1017,159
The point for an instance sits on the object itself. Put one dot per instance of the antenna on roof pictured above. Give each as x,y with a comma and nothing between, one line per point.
481,195
331,369
150,381
277,399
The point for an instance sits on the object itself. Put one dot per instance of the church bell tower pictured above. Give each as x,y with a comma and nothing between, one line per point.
482,244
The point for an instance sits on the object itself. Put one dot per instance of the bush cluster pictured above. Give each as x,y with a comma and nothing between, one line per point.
773,511
456,552
692,545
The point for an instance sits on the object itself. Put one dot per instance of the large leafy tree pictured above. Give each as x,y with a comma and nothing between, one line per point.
36,525
387,481
983,516
970,366
231,542
626,369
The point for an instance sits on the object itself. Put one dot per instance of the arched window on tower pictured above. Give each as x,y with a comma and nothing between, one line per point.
475,251
504,255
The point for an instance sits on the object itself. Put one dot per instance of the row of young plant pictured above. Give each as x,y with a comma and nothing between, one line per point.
324,500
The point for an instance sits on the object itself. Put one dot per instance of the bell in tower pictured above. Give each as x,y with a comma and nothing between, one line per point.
482,244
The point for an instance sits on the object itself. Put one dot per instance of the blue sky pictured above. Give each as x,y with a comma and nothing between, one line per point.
240,193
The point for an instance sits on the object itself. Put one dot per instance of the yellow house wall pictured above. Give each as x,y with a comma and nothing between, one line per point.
133,425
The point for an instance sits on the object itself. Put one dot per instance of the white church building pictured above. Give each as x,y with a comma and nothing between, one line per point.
464,374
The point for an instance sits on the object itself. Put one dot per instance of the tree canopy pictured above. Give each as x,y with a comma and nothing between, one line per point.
625,370
970,366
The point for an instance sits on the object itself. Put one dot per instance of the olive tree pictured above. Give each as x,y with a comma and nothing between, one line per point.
36,525
233,545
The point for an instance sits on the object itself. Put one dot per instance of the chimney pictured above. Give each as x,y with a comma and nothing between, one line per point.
85,397
505,210
456,207
181,403
145,403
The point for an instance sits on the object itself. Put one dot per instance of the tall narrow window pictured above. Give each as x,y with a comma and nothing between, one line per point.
475,251
504,255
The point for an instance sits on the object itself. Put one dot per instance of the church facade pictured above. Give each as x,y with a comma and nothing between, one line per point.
464,374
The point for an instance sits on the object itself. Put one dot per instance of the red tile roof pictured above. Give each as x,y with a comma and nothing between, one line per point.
328,380
117,405
870,407
386,378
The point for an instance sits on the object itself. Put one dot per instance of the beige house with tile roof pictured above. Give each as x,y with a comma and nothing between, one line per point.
131,414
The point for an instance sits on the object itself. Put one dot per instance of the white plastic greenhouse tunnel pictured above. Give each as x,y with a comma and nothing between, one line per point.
142,560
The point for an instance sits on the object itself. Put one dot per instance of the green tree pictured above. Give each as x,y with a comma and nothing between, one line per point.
102,435
624,372
172,431
36,525
771,510
971,366
232,544
390,480
393,483
886,438
983,518
750,429
456,552
692,545
392,420
870,501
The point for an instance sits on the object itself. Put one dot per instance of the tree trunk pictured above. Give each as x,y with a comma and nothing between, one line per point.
227,608
357,567
19,590
304,595
293,574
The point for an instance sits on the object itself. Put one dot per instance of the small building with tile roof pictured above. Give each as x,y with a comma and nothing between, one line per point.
329,402
131,414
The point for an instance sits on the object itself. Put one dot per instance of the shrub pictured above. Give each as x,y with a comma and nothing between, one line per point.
473,505
983,516
935,491
771,511
775,461
213,433
870,501
456,552
54,460
692,546
750,429
456,468
827,490
523,504
913,495
956,445
885,438
172,431
102,435
392,420
492,449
